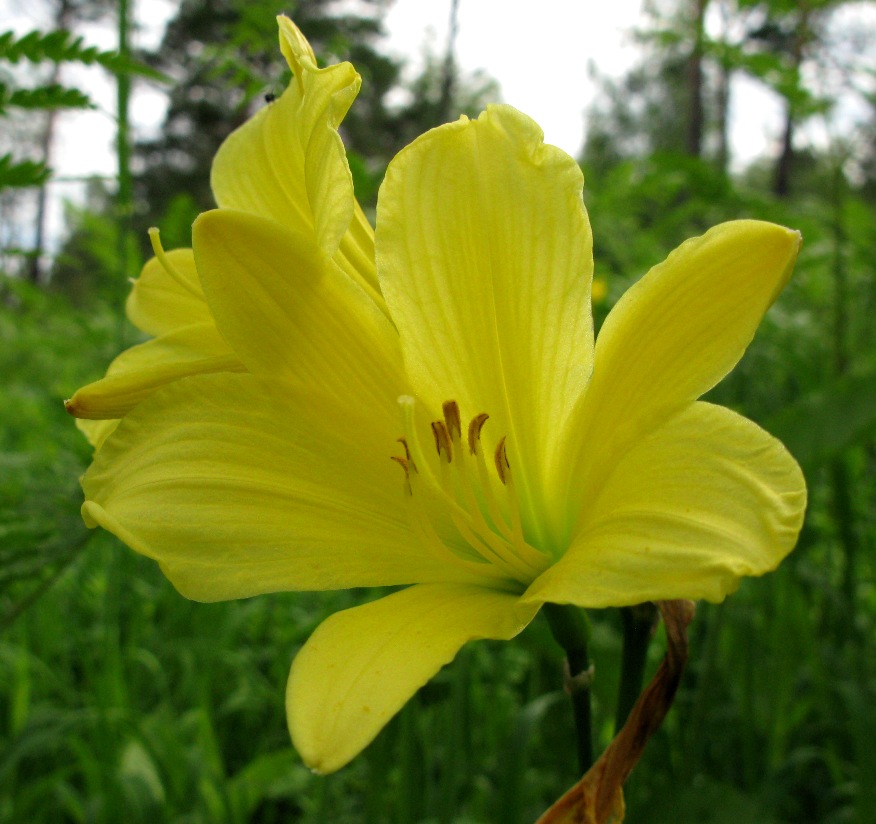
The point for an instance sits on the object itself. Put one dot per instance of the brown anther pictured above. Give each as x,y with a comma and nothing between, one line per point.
451,419
442,440
404,443
502,465
474,432
408,458
404,463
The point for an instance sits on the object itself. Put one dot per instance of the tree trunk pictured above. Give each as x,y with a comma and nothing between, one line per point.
722,99
785,163
34,265
695,118
782,177
448,76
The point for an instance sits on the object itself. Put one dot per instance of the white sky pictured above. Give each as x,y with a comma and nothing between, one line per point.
540,60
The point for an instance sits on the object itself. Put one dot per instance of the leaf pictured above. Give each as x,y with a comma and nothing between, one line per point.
709,801
52,96
268,776
63,47
821,425
22,173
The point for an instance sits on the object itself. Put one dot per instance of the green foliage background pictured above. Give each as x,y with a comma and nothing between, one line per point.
121,701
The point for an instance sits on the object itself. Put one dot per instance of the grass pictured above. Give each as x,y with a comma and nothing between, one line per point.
123,701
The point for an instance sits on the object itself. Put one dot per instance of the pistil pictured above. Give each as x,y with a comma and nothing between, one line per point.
158,249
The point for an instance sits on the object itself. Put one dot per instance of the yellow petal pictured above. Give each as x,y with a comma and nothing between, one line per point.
161,302
362,665
702,502
673,336
238,485
166,301
140,370
96,431
288,310
484,255
288,163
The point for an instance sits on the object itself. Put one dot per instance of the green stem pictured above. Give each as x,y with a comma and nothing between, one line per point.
124,195
571,630
705,690
841,484
638,625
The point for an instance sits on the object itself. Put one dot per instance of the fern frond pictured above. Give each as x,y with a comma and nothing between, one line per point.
22,173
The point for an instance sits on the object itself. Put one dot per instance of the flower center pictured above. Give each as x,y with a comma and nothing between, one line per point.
463,510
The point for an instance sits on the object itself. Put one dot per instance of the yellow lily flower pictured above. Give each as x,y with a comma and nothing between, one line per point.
528,465
301,180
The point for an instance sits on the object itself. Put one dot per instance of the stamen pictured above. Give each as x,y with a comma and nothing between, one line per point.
490,548
442,440
474,431
406,466
158,249
411,440
485,537
501,458
486,485
522,548
451,419
403,463
404,443
420,522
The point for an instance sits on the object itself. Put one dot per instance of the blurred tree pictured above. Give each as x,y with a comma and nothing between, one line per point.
678,98
63,11
662,104
43,97
86,267
30,100
65,15
792,33
801,51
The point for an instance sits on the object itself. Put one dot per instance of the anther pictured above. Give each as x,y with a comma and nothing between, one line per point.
409,460
442,440
501,457
405,464
489,538
474,432
451,419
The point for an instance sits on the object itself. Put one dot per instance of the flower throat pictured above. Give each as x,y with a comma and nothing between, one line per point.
455,510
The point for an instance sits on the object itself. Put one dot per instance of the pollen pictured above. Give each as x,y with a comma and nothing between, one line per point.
464,511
